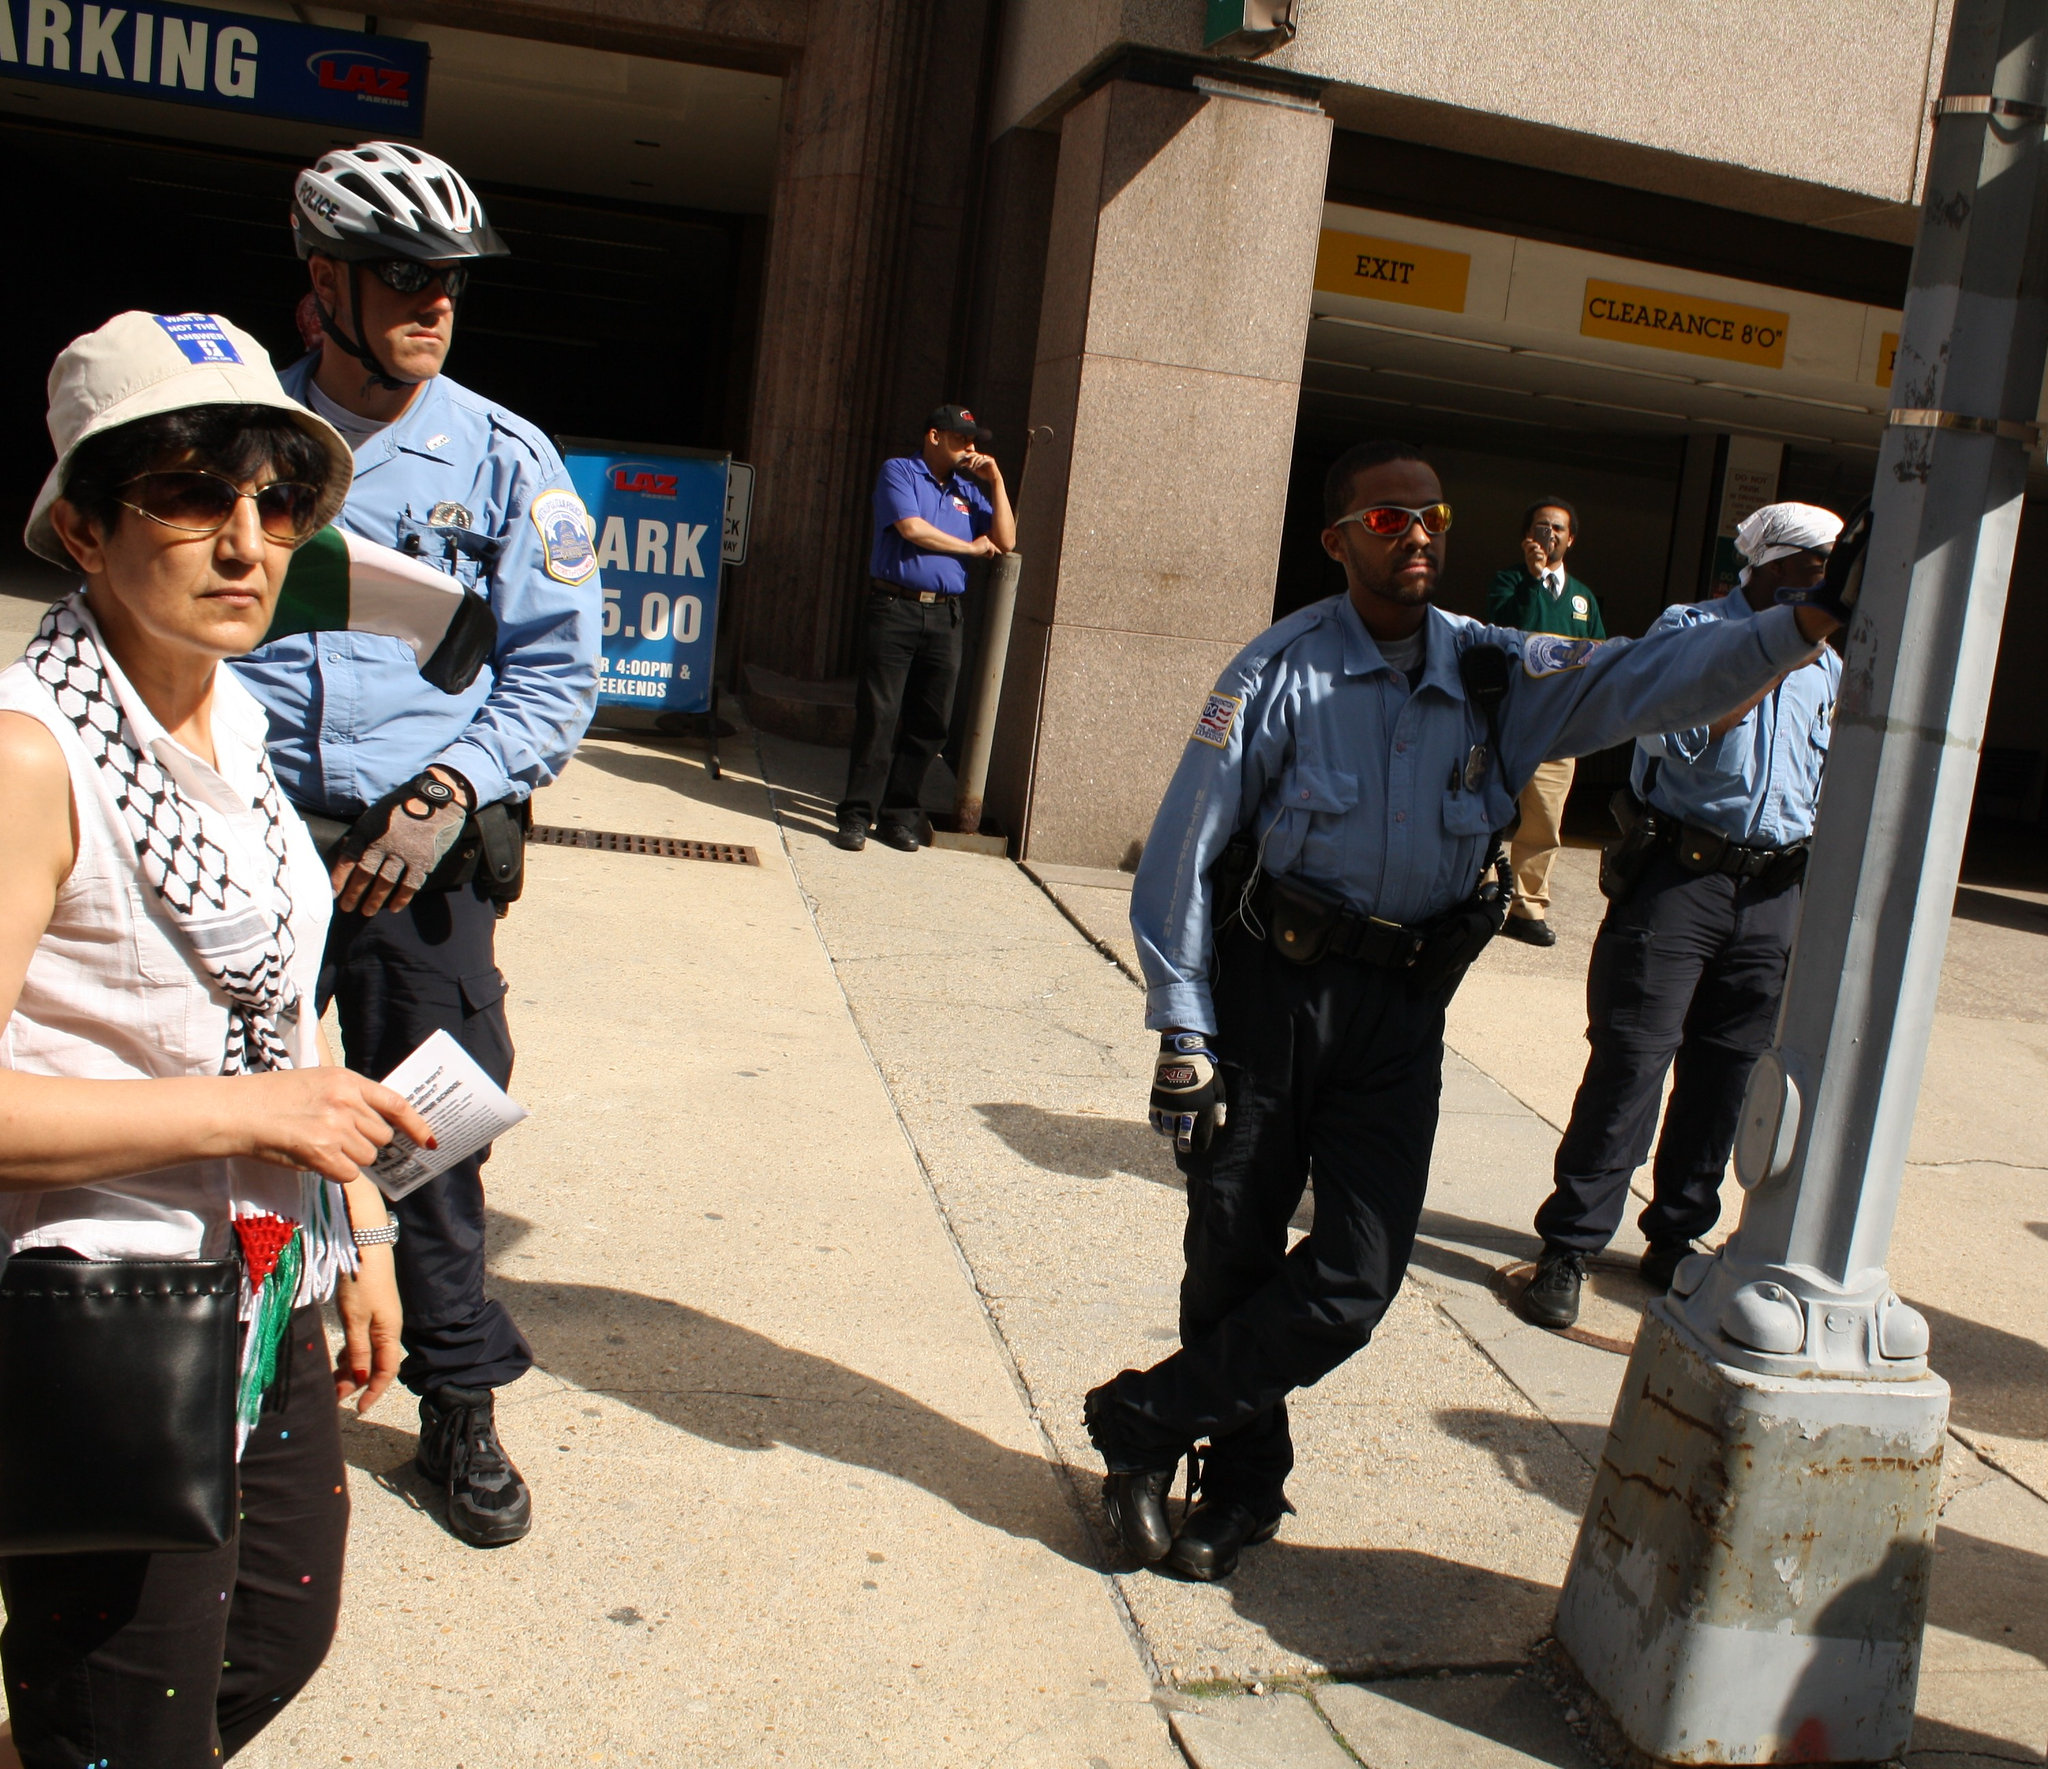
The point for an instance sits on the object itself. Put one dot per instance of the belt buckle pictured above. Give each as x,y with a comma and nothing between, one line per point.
927,596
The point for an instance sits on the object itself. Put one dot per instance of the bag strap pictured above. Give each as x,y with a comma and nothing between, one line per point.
1483,669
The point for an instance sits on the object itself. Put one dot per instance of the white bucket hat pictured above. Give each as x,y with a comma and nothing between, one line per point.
140,364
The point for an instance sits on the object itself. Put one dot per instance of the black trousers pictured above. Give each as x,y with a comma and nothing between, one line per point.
174,1661
1335,1069
902,706
395,980
1686,973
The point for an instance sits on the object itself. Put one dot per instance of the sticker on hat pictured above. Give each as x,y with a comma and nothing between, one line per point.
200,336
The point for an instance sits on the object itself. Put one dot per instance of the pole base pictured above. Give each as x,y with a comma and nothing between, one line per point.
1750,1582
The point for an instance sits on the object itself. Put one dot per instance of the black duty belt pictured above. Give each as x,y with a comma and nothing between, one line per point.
1305,925
1699,849
925,596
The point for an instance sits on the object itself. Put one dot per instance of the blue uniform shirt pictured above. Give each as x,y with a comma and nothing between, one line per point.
1357,785
1759,782
350,718
955,506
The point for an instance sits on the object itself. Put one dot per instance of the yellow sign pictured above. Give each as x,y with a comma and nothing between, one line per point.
1691,323
1887,357
1392,270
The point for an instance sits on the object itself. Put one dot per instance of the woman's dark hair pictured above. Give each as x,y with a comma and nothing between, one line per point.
235,441
1354,461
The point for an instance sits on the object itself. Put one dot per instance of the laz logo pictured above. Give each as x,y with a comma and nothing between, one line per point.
351,70
631,477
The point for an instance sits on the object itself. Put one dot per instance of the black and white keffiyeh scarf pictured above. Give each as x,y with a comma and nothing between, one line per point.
242,937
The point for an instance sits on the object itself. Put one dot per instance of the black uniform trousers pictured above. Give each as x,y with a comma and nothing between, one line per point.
1332,1069
902,706
395,980
175,1661
1687,969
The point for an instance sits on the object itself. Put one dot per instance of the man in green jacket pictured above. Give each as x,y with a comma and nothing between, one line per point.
1540,596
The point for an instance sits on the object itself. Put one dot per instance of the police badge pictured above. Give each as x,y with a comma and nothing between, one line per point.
567,553
449,515
1545,654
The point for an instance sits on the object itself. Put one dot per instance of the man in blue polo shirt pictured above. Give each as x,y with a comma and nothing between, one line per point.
931,517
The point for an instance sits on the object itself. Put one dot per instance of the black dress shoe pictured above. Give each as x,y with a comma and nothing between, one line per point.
1552,1298
1136,1504
852,837
902,836
1214,1534
488,1502
1660,1264
1530,930
1134,1495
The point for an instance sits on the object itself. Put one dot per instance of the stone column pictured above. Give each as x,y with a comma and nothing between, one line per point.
835,239
1176,304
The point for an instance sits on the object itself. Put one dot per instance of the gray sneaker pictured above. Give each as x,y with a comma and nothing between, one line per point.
1552,1298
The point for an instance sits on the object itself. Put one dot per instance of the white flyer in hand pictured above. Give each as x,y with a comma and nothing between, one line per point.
462,1105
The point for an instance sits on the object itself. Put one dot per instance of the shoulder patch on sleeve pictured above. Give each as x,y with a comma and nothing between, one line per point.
1219,713
1545,654
567,552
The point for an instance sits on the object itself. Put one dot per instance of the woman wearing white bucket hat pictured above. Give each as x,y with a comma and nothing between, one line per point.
162,912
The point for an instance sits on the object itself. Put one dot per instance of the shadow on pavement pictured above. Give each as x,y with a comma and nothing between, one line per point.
1507,1438
1366,1612
1999,1381
732,1386
1085,1146
656,761
1991,1591
1998,910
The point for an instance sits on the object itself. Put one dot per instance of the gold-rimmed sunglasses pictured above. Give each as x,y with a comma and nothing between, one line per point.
193,501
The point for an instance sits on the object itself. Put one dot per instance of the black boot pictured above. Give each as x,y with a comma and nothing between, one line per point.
1216,1532
1660,1262
1552,1298
1135,1489
488,1504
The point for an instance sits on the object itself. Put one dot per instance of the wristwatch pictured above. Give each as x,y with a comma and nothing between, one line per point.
387,1236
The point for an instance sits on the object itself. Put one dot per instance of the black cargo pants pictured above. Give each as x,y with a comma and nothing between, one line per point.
395,980
1335,1070
902,706
1686,976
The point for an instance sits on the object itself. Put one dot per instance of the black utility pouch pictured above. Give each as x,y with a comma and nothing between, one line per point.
1299,921
501,864
1623,859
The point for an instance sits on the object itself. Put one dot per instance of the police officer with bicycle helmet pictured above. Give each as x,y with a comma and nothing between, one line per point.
419,798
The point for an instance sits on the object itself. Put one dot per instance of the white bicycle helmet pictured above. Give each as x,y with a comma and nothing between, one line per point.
386,200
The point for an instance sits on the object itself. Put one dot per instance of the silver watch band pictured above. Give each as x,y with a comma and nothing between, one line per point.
377,1237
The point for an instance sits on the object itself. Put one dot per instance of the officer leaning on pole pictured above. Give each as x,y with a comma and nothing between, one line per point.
1541,596
418,799
1324,866
1704,889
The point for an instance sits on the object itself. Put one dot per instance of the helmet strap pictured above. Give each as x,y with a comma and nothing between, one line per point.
357,347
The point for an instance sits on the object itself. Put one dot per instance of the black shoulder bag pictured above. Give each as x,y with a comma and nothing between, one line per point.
117,1403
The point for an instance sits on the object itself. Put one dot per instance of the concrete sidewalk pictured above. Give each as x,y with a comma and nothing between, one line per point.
790,1505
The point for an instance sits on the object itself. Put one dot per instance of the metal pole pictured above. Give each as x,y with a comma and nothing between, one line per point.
995,654
1750,1583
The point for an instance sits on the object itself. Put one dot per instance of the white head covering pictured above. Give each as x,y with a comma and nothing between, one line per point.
1778,530
140,364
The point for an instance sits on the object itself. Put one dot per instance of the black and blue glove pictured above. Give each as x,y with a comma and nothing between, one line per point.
1187,1091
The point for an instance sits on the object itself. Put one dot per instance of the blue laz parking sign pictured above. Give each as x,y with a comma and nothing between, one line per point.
658,514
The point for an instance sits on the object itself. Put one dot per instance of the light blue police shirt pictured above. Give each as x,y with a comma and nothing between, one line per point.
1358,786
350,718
1759,782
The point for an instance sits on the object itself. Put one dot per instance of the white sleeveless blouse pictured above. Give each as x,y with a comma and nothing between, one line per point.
113,993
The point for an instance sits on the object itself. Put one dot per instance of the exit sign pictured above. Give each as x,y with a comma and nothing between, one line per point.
1248,27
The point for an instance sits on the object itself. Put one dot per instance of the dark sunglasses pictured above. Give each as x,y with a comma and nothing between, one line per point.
408,276
196,502
1391,521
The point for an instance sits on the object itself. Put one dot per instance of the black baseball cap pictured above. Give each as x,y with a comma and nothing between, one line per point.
957,420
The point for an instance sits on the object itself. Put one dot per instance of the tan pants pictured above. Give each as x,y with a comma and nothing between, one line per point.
1536,842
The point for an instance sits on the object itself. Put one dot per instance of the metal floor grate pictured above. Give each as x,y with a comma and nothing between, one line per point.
662,847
